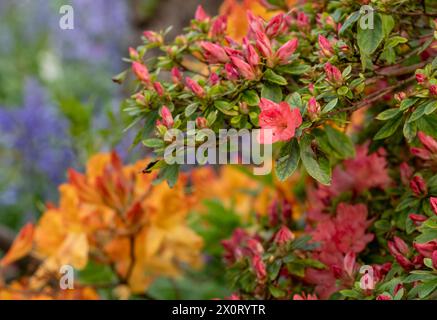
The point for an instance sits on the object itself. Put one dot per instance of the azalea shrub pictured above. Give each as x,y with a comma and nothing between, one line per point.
349,91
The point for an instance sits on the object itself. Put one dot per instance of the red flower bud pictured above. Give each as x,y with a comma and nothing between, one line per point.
349,263
433,202
264,46
406,172
214,53
417,218
195,87
426,249
433,89
214,78
284,53
418,186
231,72
421,153
252,56
333,74
176,75
325,46
384,297
219,26
244,69
200,14
167,118
401,245
254,246
284,235
259,267
420,78
201,122
303,22
275,26
158,88
429,142
141,72
255,23
313,107
152,36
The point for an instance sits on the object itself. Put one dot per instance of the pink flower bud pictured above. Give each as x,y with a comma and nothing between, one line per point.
303,22
219,26
176,75
283,236
421,153
349,264
263,45
426,249
275,26
285,52
400,96
434,259
325,46
158,88
200,14
420,78
383,297
201,122
167,118
214,53
417,218
433,201
429,142
244,69
255,23
311,88
401,245
313,107
231,72
259,267
392,248
255,247
252,56
133,54
418,186
333,74
406,172
214,78
404,262
433,89
195,87
141,72
152,36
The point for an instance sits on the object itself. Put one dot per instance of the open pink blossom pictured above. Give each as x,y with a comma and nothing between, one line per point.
280,118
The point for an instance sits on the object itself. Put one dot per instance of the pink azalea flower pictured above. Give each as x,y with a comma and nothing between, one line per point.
280,118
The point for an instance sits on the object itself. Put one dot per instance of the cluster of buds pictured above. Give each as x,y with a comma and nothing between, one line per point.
333,74
424,81
404,255
313,108
428,250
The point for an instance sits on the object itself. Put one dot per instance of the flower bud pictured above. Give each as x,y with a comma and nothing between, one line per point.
244,69
433,89
252,56
313,108
333,74
399,96
195,87
158,88
167,118
349,263
417,218
201,122
434,259
325,46
401,245
231,72
418,186
283,236
429,142
426,249
421,153
383,297
255,23
214,53
219,26
141,72
133,54
285,52
152,37
263,45
303,22
176,75
433,201
214,78
259,268
201,15
420,78
275,26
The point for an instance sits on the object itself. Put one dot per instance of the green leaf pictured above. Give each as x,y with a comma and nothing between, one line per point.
153,143
406,103
272,92
293,69
418,113
426,288
273,77
330,105
276,292
340,142
388,24
389,128
190,109
288,160
250,97
388,114
350,21
225,108
317,167
410,130
369,39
